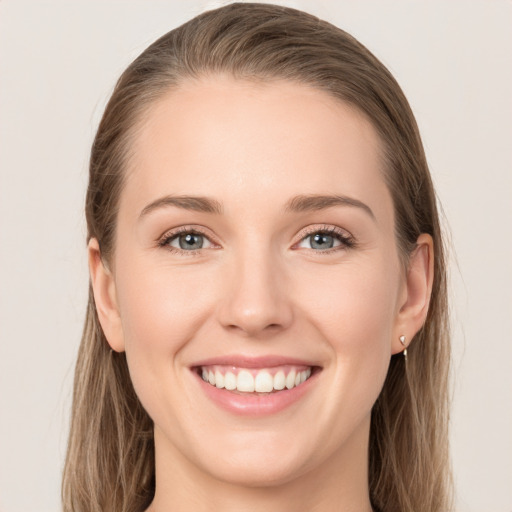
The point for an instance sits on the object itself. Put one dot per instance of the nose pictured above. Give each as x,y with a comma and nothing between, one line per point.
256,301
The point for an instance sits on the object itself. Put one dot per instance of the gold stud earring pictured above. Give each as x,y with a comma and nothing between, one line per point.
402,341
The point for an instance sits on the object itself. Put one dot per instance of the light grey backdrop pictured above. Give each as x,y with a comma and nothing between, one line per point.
58,63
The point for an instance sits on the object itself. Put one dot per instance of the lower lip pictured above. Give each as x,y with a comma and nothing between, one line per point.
250,404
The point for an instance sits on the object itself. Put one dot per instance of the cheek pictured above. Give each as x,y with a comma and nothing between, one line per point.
354,308
354,304
161,311
160,306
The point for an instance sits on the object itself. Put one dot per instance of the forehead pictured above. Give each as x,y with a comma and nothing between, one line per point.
247,142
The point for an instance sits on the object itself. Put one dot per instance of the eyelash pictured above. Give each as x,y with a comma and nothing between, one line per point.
346,241
168,237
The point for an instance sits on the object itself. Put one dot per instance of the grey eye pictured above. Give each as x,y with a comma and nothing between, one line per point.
190,241
187,241
321,241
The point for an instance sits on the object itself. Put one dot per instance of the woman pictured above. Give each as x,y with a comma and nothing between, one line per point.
267,322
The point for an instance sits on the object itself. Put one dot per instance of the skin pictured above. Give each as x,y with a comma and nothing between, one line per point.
258,287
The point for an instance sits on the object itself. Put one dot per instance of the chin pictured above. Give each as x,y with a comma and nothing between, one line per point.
257,459
264,472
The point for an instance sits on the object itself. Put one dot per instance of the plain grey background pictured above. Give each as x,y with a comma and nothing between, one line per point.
58,64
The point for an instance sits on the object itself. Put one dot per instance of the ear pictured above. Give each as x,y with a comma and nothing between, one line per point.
104,290
415,299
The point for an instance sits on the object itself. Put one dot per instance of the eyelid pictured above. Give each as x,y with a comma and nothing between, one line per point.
346,238
170,234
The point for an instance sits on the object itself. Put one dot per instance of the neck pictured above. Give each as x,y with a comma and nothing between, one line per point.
340,483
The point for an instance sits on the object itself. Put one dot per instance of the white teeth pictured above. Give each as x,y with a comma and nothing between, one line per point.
263,383
279,380
219,379
260,381
245,382
230,381
290,380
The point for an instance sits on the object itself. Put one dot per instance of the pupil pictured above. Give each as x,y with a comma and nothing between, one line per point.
320,241
191,241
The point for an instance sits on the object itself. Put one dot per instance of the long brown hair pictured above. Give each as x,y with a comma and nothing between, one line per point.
110,457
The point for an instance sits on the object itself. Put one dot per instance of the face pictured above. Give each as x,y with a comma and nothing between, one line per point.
256,278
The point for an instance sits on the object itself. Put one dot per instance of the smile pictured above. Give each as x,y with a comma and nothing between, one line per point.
255,386
251,380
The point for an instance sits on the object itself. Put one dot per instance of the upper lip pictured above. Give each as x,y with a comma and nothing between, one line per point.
244,361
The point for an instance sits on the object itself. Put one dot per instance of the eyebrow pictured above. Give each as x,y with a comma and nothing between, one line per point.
306,203
194,203
297,204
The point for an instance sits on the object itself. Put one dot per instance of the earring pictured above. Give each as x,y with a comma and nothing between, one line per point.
402,341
